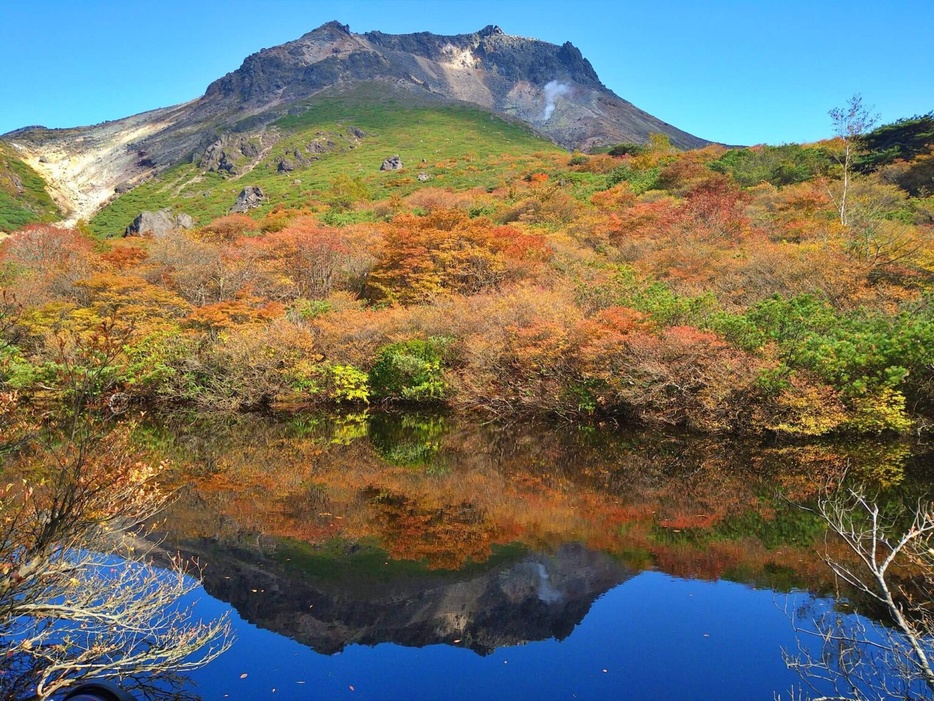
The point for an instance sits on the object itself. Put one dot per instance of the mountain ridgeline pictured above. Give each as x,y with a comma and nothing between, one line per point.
551,91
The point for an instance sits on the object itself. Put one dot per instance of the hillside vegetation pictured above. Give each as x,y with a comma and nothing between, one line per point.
23,196
332,150
719,290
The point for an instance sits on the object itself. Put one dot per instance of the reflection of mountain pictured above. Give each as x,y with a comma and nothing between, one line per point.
529,597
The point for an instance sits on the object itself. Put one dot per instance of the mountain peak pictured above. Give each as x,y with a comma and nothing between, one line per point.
332,26
552,88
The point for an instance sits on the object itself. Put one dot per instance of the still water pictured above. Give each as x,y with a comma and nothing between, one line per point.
405,556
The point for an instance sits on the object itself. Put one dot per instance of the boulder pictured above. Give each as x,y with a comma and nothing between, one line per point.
158,223
249,198
392,163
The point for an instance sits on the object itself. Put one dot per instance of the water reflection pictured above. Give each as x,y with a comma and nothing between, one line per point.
329,602
421,529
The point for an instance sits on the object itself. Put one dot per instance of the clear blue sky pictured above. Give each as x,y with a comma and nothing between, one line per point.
735,72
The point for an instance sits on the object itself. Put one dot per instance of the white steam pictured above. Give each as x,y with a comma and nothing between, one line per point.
553,90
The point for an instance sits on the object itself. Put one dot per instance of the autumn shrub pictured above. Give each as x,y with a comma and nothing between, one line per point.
802,405
765,269
247,366
347,383
430,199
681,376
619,196
214,319
42,262
517,355
447,252
303,260
916,177
713,209
598,163
879,410
201,271
351,336
303,309
688,170
125,255
230,227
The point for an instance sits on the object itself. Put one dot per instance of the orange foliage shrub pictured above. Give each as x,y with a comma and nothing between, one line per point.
231,313
303,260
46,262
430,199
803,212
679,376
643,220
619,196
129,297
446,252
201,271
230,227
125,255
599,163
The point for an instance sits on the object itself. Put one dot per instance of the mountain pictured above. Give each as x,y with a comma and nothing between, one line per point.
552,89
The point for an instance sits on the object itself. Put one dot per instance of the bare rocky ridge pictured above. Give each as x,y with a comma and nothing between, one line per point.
552,88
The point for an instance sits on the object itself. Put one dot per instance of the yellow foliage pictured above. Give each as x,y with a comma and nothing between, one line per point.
883,410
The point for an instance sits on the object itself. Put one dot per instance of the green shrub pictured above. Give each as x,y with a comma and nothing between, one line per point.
627,149
778,165
349,384
640,181
410,370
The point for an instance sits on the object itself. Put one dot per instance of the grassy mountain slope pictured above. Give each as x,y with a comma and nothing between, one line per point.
454,146
23,196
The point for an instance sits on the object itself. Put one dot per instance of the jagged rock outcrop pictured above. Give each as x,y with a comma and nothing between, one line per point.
554,89
249,198
158,224
392,163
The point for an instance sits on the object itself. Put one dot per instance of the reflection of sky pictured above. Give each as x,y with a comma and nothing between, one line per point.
653,637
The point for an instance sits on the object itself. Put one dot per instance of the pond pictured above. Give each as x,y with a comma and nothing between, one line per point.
415,556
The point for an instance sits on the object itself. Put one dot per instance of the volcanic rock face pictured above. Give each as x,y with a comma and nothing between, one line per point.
159,223
552,88
392,163
249,198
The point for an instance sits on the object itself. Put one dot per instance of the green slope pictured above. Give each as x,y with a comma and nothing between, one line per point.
23,197
454,146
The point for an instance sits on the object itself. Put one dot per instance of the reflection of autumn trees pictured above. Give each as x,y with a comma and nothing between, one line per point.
686,506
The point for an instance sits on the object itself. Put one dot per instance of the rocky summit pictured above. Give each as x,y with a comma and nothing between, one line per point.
553,89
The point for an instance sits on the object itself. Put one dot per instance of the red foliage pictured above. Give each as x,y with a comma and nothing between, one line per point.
714,209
